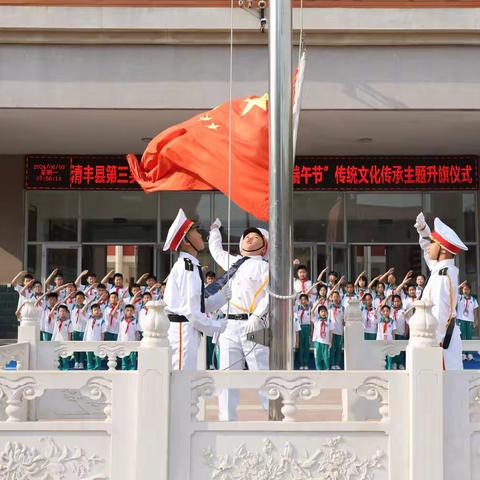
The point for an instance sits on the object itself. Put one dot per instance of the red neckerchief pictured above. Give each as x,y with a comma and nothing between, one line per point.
465,308
94,322
301,315
60,324
385,326
368,322
323,328
395,311
112,316
128,324
303,285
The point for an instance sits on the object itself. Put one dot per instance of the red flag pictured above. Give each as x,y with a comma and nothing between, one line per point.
193,155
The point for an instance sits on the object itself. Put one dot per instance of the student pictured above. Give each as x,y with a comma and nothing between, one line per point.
62,332
361,285
379,296
79,319
142,314
128,332
118,286
336,317
33,290
322,338
213,353
69,299
25,286
400,320
386,330
349,294
102,296
302,284
47,319
59,286
302,316
467,315
369,318
90,289
334,282
154,287
113,316
421,281
94,332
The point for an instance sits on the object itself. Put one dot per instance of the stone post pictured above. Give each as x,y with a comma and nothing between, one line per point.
29,332
154,368
425,368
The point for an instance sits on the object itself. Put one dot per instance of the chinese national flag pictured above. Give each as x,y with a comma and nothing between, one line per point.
194,155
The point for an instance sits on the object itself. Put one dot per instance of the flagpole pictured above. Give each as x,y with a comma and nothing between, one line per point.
281,195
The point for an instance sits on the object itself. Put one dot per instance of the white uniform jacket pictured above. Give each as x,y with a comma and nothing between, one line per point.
248,284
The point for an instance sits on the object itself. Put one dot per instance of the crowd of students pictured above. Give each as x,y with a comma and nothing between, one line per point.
387,306
109,309
90,310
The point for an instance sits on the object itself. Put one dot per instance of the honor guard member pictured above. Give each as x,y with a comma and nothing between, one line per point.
248,277
185,295
440,248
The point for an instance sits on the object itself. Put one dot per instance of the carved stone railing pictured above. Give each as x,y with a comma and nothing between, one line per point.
17,352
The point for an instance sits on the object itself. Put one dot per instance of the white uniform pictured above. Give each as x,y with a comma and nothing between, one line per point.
46,322
79,318
62,328
248,297
301,286
94,329
347,297
321,329
336,314
369,320
142,314
27,295
113,320
385,329
183,295
128,330
400,320
466,307
442,290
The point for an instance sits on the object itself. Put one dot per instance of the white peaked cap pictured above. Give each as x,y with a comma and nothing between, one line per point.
447,238
177,231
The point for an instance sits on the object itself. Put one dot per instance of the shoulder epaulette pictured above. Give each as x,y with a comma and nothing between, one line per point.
188,265
443,271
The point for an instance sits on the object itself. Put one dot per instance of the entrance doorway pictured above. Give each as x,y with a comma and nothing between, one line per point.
65,258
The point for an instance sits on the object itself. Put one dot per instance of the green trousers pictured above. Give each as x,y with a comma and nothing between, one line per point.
78,356
304,348
63,363
320,353
93,362
400,358
129,362
336,352
466,331
110,337
369,336
45,336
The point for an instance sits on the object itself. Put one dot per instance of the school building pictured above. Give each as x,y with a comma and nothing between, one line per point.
389,127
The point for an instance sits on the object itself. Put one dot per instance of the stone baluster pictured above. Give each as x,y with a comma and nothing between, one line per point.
154,368
28,331
15,393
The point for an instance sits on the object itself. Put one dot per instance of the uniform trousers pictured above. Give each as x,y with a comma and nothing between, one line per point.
320,352
235,350
184,341
46,336
369,336
336,352
78,356
304,351
400,358
466,332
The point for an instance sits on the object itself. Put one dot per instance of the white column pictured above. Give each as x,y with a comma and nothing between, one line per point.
118,258
154,367
424,365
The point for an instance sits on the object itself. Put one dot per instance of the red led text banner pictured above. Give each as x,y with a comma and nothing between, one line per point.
386,173
78,172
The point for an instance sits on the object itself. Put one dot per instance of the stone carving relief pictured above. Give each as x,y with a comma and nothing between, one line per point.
330,461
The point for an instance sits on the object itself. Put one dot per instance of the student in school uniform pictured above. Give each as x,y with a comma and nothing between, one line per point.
47,320
58,286
302,316
420,284
128,332
467,315
79,319
386,330
117,286
213,351
334,283
400,320
302,284
369,318
102,297
90,289
22,283
349,294
143,312
322,338
336,316
94,332
113,316
379,296
33,290
62,332
361,285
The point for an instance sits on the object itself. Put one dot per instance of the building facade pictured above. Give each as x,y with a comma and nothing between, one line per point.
388,84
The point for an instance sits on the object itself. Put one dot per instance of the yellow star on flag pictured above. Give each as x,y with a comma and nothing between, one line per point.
213,126
255,102
205,118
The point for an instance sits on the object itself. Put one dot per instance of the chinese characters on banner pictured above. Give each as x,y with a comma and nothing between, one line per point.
111,172
386,173
78,172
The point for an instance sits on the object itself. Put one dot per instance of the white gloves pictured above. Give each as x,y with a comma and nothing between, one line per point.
227,291
420,223
253,323
216,224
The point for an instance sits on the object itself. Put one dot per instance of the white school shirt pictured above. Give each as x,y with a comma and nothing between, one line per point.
321,329
155,293
142,314
369,319
400,320
336,315
61,330
91,294
113,321
419,291
466,307
47,324
127,331
26,296
339,290
61,294
385,333
301,315
390,289
103,303
94,329
347,297
362,291
113,289
377,300
79,318
301,286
